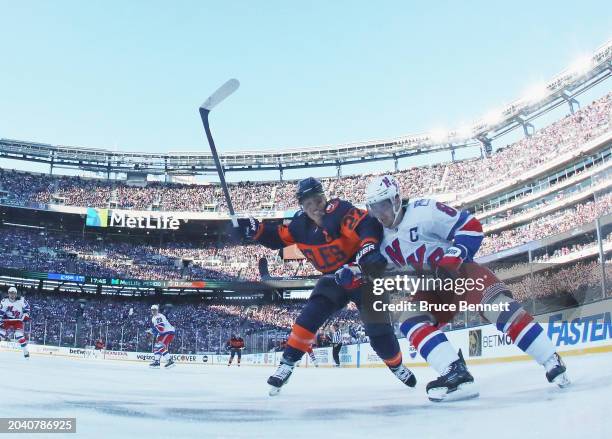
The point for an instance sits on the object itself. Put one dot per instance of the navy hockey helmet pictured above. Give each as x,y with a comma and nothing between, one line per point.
308,187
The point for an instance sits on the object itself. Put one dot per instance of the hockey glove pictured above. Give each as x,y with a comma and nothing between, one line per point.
349,276
371,261
450,263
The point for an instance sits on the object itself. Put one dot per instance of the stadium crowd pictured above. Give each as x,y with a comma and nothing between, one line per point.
576,279
456,177
58,252
568,250
557,222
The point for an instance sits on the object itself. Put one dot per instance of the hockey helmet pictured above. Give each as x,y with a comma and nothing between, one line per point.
308,187
382,194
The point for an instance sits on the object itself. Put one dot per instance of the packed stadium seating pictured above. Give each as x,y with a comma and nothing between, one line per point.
557,222
575,278
60,252
456,177
71,253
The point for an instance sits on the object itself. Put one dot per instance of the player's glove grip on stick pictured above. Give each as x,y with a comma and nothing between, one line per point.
349,276
371,261
449,264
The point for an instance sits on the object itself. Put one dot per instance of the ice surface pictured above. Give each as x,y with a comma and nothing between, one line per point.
116,399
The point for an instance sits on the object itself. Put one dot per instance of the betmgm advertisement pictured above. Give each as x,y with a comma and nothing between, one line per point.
108,218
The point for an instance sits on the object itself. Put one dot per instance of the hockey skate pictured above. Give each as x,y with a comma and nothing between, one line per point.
555,371
404,374
280,377
154,365
455,384
26,354
170,363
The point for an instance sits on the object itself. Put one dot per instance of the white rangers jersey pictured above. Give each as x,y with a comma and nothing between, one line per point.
14,310
427,230
161,325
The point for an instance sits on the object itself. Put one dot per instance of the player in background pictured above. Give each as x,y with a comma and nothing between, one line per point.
427,234
331,233
235,345
163,332
14,311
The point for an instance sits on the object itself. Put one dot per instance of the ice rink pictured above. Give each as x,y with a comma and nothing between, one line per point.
117,399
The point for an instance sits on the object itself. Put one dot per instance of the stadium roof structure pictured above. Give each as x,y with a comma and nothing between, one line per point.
560,90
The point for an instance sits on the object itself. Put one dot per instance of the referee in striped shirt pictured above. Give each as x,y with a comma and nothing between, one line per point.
336,338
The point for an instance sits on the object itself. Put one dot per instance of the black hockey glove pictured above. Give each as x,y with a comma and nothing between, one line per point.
371,261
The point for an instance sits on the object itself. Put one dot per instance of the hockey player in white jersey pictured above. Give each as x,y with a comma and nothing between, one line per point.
163,332
425,235
14,311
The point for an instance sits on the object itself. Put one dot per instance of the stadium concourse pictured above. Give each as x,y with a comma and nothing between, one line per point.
117,399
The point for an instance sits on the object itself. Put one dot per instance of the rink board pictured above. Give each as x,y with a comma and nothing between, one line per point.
574,331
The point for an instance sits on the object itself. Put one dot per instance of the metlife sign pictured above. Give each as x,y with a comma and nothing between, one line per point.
113,218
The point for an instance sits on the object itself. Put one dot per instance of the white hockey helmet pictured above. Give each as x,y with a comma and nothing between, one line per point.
383,193
155,307
12,290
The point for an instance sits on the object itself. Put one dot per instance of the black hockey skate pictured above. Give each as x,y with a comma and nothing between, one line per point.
280,377
455,385
170,363
555,371
154,365
26,355
404,374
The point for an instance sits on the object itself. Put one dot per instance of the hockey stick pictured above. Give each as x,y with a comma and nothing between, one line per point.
214,99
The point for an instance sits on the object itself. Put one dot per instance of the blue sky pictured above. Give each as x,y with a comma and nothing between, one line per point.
131,75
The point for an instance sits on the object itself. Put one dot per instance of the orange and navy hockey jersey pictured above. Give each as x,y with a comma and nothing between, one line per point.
346,229
235,343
